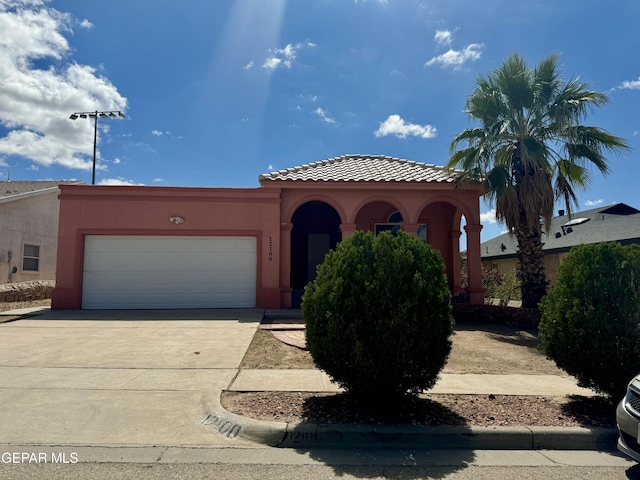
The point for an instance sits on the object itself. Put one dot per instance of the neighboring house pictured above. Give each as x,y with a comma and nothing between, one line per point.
28,230
187,247
618,222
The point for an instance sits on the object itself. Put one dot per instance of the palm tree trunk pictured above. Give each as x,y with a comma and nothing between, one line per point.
533,281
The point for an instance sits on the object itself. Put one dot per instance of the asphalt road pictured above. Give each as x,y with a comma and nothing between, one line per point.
272,464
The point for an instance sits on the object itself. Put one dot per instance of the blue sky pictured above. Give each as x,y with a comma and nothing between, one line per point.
217,92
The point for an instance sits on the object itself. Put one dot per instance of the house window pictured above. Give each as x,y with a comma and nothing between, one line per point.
31,258
394,224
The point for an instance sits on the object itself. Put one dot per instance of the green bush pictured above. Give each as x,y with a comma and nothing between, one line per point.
590,317
378,316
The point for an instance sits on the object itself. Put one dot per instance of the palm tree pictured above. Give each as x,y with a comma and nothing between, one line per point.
530,150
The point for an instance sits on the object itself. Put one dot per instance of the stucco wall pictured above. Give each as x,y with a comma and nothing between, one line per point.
32,220
115,210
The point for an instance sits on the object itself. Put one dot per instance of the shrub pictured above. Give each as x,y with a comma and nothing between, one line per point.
378,316
590,317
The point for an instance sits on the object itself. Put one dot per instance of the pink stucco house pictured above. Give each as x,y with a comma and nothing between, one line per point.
185,247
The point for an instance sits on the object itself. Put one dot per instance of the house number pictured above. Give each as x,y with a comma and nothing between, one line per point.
271,249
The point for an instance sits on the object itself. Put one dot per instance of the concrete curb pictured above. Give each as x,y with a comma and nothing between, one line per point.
446,437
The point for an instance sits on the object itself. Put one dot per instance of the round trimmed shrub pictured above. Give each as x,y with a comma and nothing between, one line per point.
378,316
590,323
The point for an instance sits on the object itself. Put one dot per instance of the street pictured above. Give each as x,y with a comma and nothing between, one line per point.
274,463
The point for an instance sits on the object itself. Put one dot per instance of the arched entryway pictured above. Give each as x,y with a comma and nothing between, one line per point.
315,231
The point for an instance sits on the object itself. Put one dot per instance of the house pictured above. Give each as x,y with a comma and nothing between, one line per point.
28,230
619,222
193,247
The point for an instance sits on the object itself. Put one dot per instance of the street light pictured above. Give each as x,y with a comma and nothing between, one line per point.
94,115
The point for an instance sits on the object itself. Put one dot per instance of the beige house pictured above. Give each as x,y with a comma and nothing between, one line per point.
28,230
618,222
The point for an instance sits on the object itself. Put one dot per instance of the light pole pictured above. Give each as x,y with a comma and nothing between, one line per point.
95,115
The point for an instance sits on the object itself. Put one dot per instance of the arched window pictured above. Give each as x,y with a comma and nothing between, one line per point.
394,223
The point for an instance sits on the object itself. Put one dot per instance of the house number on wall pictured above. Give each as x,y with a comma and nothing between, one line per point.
271,249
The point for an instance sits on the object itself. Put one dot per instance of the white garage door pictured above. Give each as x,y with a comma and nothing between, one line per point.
168,272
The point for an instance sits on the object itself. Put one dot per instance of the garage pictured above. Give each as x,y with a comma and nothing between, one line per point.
149,272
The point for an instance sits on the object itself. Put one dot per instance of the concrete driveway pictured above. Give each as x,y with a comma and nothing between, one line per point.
109,378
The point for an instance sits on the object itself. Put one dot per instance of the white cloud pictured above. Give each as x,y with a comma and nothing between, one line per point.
284,57
631,84
324,115
248,65
37,102
395,125
443,37
270,168
456,58
116,161
489,217
157,133
86,24
594,203
117,181
158,180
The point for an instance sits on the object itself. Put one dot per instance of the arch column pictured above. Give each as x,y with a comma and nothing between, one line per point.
411,228
285,264
474,270
347,229
454,236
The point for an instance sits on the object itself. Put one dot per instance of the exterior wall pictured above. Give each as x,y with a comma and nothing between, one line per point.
31,220
551,264
123,210
267,214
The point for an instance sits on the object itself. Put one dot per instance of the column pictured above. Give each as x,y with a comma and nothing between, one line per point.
347,229
474,271
285,264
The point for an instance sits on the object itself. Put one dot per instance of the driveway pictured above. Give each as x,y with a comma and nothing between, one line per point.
119,377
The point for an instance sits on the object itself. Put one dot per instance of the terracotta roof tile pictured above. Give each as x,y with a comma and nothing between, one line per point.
364,168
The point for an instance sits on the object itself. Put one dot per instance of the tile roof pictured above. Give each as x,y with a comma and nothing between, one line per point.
11,188
364,168
618,222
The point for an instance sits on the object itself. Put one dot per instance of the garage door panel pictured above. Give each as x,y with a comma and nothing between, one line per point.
169,272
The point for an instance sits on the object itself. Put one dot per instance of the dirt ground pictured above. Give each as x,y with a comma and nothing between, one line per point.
480,348
477,348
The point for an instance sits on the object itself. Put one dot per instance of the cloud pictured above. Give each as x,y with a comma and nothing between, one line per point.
324,115
456,58
284,57
490,217
248,65
158,180
594,203
395,125
117,181
270,167
443,37
37,102
157,133
85,24
631,84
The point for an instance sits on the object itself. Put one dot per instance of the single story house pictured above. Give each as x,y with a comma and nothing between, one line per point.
28,230
618,222
188,247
